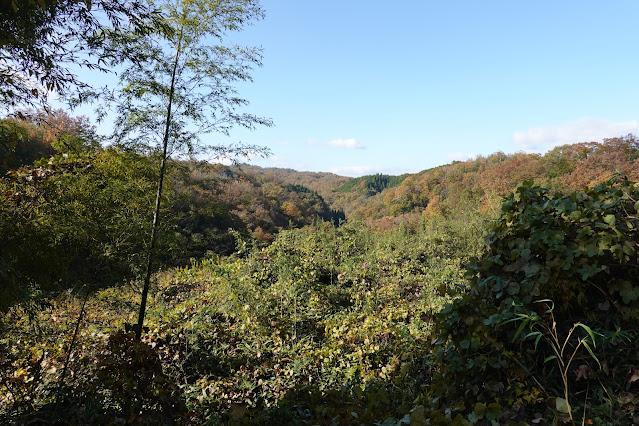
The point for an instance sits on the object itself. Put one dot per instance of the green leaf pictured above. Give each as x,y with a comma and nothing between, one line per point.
493,412
550,358
520,329
627,292
531,270
537,340
479,410
610,219
588,271
628,248
513,289
588,330
562,405
549,302
592,354
493,319
418,416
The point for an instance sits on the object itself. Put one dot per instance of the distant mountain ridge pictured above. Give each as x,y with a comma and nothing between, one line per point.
479,183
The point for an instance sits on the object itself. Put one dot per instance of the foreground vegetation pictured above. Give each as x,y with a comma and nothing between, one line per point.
347,326
326,324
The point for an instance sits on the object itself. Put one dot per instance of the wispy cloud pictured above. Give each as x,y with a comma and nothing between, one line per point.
276,161
339,143
586,129
354,171
459,156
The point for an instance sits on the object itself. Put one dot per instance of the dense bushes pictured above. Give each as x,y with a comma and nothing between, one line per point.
325,325
75,219
75,213
552,305
346,325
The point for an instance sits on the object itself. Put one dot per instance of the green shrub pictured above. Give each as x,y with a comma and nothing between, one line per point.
577,251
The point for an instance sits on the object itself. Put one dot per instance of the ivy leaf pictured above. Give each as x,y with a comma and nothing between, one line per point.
610,219
480,410
588,271
627,292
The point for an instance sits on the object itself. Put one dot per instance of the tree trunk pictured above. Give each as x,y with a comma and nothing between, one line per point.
158,198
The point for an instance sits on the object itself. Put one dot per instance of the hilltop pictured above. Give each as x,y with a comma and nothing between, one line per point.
479,183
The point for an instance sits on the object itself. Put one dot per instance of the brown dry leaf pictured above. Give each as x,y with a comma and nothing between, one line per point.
584,372
633,376
604,367
604,306
626,398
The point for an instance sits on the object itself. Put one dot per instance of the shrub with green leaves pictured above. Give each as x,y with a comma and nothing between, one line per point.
74,219
324,326
578,252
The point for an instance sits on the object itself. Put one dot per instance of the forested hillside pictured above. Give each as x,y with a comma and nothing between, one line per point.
398,312
142,286
73,210
477,183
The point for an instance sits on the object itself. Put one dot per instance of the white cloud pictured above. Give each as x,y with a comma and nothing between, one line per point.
274,161
339,143
458,156
354,171
586,129
346,143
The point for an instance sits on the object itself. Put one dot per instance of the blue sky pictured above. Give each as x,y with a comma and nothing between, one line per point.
359,87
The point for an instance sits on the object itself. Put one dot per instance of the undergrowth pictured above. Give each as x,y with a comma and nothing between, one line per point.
344,325
328,325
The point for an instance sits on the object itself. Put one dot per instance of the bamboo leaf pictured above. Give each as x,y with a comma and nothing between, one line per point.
589,331
587,346
520,329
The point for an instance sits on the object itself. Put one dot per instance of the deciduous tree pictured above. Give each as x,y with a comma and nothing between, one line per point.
182,87
41,40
